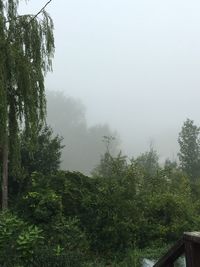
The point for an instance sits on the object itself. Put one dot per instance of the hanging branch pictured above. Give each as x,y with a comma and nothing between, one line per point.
41,10
34,16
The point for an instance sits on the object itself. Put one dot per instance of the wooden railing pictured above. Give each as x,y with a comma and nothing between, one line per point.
188,246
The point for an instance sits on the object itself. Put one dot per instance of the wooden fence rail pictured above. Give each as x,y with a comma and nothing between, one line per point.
188,246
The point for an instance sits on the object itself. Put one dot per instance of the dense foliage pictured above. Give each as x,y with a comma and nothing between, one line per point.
125,211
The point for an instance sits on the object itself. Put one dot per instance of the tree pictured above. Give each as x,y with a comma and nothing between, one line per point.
78,136
148,161
26,50
189,154
111,167
45,157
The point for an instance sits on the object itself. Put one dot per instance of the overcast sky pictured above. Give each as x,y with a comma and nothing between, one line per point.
134,64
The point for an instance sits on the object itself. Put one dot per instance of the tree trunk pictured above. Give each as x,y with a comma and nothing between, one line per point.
5,176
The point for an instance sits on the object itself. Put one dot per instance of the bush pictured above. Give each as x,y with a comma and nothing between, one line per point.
41,207
18,241
69,236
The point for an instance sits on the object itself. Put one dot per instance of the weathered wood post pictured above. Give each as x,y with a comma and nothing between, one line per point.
192,249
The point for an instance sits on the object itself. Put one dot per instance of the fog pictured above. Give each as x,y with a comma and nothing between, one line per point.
133,64
84,145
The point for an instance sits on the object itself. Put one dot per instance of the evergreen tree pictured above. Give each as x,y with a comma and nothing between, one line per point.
189,154
26,50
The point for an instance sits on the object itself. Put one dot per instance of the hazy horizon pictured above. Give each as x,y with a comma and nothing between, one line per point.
134,65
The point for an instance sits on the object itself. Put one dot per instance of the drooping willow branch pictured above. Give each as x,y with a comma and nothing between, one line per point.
41,10
26,52
36,15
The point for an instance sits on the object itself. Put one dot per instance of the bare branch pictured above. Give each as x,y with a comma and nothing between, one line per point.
41,10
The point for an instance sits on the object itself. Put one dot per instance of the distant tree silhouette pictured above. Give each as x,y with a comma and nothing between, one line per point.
83,144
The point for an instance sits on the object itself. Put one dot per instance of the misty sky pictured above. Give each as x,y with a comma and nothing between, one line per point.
134,64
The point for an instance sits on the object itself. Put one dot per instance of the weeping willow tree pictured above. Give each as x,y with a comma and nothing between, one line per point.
26,51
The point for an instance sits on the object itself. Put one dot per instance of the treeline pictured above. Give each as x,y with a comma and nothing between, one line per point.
126,210
82,143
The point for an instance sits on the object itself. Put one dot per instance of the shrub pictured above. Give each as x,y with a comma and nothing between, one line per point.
18,241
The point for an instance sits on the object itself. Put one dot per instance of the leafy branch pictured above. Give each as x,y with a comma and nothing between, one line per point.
36,15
